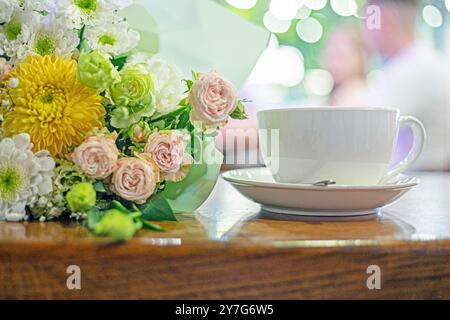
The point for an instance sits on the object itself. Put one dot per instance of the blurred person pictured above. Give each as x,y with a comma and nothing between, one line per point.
416,80
345,57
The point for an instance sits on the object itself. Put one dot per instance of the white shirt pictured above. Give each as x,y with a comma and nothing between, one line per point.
417,81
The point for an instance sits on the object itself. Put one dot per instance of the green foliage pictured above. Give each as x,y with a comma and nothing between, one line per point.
99,187
157,209
123,219
119,62
152,226
239,111
94,217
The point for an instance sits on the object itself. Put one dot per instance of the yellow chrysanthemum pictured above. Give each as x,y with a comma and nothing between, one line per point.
51,105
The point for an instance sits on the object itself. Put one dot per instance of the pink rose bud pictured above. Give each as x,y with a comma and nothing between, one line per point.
213,99
139,133
5,69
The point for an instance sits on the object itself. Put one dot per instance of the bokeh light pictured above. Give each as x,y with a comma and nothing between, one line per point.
275,25
309,30
432,16
242,4
318,82
283,9
344,8
447,5
279,65
303,12
315,4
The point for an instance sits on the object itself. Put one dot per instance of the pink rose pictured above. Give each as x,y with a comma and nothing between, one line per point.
135,179
5,68
167,149
213,99
97,156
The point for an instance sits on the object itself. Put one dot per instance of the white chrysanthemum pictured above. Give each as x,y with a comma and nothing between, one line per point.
114,38
23,176
87,12
16,34
54,38
7,7
170,88
33,5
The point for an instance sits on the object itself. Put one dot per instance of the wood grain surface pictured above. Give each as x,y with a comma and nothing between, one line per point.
231,250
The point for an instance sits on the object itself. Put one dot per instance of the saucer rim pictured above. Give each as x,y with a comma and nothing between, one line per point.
319,213
226,175
328,108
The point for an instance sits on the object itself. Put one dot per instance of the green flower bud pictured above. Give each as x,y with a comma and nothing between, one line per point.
133,96
95,70
139,132
117,225
81,197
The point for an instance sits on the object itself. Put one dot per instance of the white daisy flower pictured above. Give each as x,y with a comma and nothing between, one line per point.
114,38
15,35
23,176
53,10
7,7
84,12
170,88
54,38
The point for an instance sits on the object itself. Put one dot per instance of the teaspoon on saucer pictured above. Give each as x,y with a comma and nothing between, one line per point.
324,183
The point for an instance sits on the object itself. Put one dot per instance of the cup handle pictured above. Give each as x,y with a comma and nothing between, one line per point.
419,136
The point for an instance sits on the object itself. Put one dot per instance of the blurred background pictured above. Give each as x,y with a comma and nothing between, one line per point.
393,53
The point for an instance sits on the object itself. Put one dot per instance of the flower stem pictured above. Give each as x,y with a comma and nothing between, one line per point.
174,113
80,45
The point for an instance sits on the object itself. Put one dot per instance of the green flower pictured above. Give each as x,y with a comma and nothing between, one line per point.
12,29
117,225
44,44
81,197
52,205
66,176
87,6
133,96
13,181
95,70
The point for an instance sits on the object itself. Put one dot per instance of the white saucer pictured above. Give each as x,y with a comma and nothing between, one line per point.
301,199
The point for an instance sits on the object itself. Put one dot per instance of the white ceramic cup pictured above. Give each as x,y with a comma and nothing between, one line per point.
350,145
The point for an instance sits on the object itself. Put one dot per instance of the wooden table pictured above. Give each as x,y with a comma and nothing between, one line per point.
229,249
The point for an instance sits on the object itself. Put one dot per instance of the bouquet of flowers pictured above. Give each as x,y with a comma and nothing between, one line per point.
91,130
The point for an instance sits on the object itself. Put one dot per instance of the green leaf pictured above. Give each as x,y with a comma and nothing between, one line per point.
99,187
119,62
135,208
239,111
169,115
152,226
94,217
157,209
183,121
118,206
195,75
184,103
189,84
81,36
